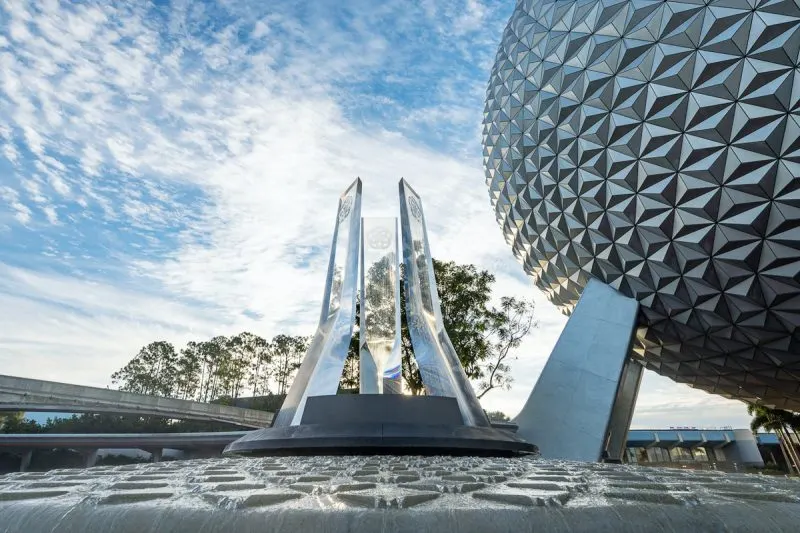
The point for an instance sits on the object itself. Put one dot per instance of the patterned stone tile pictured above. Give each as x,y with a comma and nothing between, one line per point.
30,494
133,497
391,484
394,499
262,499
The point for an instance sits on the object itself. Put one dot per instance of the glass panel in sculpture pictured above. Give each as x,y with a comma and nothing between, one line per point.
380,308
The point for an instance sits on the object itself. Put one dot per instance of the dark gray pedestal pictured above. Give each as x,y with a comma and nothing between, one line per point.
381,424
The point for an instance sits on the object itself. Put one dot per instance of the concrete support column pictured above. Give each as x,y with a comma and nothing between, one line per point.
622,412
156,454
90,457
744,449
203,453
569,411
25,461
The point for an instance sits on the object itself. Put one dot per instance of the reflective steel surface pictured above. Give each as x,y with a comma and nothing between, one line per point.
655,146
570,409
379,336
442,374
322,366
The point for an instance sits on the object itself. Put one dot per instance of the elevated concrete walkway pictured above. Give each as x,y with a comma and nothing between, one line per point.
205,444
23,394
144,441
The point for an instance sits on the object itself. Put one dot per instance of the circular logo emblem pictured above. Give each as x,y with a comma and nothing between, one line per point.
344,209
415,208
379,238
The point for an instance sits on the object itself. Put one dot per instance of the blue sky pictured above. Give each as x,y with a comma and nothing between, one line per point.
170,170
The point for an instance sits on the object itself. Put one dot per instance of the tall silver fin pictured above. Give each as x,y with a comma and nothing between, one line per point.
571,410
442,374
322,366
379,337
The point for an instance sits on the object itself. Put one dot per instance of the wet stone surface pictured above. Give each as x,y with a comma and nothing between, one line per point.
388,484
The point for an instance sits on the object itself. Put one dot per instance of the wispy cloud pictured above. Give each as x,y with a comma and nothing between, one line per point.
172,172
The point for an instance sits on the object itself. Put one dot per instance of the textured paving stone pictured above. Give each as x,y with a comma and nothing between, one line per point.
535,486
134,497
30,494
220,479
406,478
137,486
306,479
643,496
649,485
269,498
446,495
387,500
222,487
552,478
469,487
509,498
31,476
458,478
49,484
428,487
346,487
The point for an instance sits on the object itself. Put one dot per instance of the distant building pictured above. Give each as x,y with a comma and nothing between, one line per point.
723,449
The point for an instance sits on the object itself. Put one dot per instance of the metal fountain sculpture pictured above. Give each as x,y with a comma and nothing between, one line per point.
448,419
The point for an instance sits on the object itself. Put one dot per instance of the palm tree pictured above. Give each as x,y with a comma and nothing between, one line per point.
778,421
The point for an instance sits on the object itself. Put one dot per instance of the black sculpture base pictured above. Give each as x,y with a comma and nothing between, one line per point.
381,424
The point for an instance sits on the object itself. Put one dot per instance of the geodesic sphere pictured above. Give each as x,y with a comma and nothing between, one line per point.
653,145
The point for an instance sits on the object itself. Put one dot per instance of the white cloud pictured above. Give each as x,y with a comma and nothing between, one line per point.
51,214
471,18
67,329
21,212
208,166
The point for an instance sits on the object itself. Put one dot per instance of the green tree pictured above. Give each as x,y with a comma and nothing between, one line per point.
244,349
498,416
152,371
15,422
215,367
287,354
509,325
256,356
483,336
188,372
780,422
351,371
351,374
464,294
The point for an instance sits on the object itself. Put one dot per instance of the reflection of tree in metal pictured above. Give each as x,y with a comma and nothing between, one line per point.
380,314
426,278
380,302
336,290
